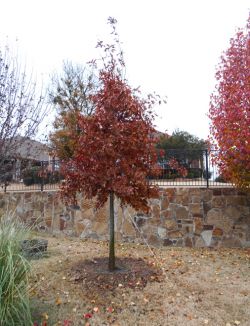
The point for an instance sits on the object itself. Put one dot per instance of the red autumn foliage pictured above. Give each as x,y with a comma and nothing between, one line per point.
174,164
87,316
114,148
115,151
230,111
67,322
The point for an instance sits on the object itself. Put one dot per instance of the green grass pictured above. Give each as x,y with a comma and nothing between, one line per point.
14,272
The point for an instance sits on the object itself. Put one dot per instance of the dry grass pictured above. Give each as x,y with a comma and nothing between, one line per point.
177,286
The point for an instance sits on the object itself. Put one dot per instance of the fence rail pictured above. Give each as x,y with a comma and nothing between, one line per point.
189,168
30,176
178,168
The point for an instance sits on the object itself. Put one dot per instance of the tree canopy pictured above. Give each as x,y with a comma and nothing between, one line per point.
115,152
230,111
181,140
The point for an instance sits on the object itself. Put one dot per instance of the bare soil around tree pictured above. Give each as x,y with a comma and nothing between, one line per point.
71,285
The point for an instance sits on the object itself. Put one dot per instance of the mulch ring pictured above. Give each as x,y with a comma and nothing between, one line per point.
130,273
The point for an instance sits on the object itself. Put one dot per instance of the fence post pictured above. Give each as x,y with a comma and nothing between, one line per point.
207,171
42,179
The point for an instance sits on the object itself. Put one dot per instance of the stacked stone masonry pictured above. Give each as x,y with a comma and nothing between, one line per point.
179,217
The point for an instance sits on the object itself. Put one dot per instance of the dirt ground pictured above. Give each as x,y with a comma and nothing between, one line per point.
166,286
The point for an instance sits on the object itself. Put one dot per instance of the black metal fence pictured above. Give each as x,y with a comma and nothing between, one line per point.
189,168
177,168
30,176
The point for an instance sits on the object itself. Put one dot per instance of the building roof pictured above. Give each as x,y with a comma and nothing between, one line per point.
26,148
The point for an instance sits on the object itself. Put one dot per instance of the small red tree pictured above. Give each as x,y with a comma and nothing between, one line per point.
230,111
115,151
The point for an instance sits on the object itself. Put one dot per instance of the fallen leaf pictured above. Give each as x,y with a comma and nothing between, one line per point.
45,315
95,309
189,316
66,322
110,309
58,301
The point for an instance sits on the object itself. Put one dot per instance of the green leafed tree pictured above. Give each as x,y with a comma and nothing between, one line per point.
182,147
180,140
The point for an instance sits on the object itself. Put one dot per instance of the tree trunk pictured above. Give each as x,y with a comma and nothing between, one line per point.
111,233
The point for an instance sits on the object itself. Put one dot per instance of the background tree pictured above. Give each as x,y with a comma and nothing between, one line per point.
115,152
180,140
22,108
70,93
230,111
182,147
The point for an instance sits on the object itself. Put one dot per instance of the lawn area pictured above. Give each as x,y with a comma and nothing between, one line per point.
166,286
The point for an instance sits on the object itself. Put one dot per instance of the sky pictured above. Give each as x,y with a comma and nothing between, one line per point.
171,47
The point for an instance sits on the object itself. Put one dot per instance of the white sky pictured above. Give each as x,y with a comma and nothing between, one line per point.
171,46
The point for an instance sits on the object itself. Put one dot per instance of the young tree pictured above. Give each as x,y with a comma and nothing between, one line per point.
115,151
22,108
230,111
70,94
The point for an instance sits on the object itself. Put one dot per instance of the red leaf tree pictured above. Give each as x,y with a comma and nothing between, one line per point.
230,111
116,150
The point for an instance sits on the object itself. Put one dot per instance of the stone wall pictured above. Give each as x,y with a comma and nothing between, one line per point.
180,217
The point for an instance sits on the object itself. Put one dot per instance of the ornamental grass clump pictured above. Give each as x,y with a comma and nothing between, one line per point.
14,271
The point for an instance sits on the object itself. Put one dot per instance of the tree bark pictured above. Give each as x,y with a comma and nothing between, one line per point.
111,233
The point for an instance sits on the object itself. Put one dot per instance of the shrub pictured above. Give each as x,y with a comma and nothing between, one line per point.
14,271
53,177
31,176
194,173
221,179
